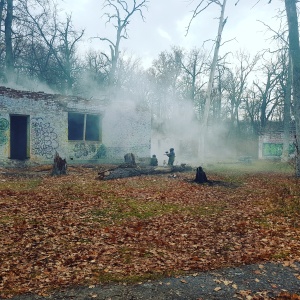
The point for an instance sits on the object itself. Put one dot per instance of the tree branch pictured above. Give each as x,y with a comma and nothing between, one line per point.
198,10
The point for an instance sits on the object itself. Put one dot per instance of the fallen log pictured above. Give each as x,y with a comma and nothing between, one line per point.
123,171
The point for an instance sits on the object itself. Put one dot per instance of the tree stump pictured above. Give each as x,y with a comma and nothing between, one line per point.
59,165
200,176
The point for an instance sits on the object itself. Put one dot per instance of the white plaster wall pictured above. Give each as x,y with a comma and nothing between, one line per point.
48,135
83,150
4,135
47,125
271,138
127,130
123,129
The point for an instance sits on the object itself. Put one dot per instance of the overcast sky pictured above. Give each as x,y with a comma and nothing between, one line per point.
166,22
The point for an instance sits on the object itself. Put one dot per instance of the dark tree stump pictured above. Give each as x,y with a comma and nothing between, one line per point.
200,176
59,166
130,159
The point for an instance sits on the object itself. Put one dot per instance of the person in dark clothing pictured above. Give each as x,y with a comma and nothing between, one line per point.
171,156
153,161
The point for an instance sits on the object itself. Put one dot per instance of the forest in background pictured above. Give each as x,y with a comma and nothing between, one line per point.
40,50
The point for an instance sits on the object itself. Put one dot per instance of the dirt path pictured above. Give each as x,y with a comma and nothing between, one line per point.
259,281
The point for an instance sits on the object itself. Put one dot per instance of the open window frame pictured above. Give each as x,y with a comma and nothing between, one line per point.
84,127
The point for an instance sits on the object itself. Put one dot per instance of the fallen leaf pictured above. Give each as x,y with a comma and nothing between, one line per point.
261,266
94,295
183,281
227,282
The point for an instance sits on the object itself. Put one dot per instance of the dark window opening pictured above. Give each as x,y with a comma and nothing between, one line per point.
76,126
92,128
84,127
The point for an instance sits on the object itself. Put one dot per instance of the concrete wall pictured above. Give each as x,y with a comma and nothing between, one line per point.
46,125
127,129
270,145
47,122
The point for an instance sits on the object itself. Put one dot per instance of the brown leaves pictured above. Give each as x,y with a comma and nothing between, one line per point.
78,230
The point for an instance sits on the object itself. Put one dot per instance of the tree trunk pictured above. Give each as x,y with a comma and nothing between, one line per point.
1,15
130,159
294,47
204,131
287,116
59,166
9,61
214,64
200,176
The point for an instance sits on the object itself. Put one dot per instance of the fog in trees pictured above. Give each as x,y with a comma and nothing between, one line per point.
247,91
294,51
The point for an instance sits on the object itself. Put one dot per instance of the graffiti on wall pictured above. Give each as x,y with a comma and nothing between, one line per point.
4,125
44,138
82,150
274,149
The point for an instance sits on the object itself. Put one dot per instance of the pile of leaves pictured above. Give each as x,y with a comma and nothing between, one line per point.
75,229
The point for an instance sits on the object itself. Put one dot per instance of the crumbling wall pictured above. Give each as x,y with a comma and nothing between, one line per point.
127,130
46,122
47,125
270,145
124,129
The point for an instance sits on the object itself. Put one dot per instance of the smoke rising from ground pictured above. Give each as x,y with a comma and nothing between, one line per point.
184,132
28,84
174,125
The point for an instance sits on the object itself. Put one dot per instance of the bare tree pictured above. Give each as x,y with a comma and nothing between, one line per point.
280,36
252,108
294,48
203,5
58,37
237,86
193,66
2,3
285,84
217,93
263,101
120,17
36,44
66,54
9,59
94,73
222,21
2,44
164,77
267,90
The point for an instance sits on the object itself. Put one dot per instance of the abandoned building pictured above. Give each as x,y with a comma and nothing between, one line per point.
34,126
270,142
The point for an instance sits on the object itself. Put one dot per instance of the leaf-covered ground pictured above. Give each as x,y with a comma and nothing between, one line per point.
75,229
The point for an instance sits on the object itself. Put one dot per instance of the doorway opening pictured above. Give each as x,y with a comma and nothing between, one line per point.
19,137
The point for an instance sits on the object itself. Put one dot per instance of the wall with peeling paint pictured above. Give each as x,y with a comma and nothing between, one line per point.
270,145
47,116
